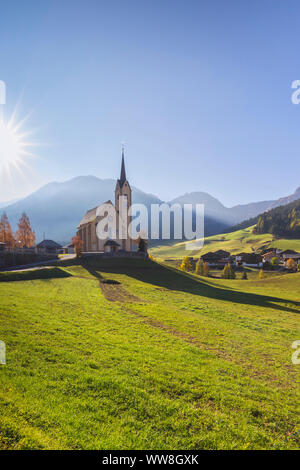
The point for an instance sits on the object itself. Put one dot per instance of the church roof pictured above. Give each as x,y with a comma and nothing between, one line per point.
91,215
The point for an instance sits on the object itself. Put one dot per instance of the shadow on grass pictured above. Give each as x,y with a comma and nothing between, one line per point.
33,274
172,279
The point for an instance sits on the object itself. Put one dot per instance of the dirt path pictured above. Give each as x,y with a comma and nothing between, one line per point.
116,293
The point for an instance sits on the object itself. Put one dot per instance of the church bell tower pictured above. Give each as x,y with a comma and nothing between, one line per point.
123,189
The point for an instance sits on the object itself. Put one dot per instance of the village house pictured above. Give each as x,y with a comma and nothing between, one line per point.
267,257
217,258
48,246
253,260
88,225
68,249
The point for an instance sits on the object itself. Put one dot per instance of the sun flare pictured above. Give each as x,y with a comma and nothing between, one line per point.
14,145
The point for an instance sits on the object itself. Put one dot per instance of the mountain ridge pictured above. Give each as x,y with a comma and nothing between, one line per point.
56,208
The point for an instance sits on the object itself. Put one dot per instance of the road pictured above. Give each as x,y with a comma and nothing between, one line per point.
38,265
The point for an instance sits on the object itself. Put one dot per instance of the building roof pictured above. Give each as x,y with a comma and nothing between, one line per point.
48,244
291,255
69,245
91,215
270,253
111,243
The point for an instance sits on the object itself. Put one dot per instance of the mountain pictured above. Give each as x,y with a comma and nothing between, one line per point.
248,211
7,203
57,208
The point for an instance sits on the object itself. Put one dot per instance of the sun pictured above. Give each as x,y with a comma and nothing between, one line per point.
13,145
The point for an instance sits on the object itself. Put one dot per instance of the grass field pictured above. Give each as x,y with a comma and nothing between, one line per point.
235,242
131,354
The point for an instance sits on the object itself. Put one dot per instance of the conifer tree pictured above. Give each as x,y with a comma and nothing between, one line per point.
200,267
205,269
228,272
261,274
25,236
6,235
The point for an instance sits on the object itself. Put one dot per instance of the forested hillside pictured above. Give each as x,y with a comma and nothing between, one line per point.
281,221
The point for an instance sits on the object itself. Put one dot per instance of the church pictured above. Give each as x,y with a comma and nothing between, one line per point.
88,225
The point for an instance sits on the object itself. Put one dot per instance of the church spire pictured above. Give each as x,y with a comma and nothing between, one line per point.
123,172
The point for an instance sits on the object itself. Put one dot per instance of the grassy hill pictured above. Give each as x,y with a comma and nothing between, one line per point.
235,242
129,354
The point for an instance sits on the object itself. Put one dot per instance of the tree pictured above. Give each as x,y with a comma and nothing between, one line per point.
274,261
244,276
290,264
199,267
6,235
78,244
228,272
205,269
142,246
25,236
186,264
261,274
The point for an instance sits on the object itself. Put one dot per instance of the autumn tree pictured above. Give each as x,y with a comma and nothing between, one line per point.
228,272
186,264
290,264
261,274
6,235
199,267
25,236
205,269
78,244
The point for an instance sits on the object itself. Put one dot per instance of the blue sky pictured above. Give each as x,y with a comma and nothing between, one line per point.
200,91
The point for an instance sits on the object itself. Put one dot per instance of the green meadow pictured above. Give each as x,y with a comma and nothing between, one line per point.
235,242
130,354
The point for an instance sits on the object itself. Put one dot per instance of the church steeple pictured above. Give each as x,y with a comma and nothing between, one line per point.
123,172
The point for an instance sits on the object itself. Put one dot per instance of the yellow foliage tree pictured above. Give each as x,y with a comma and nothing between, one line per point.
205,269
199,267
261,274
186,264
290,264
25,236
6,235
